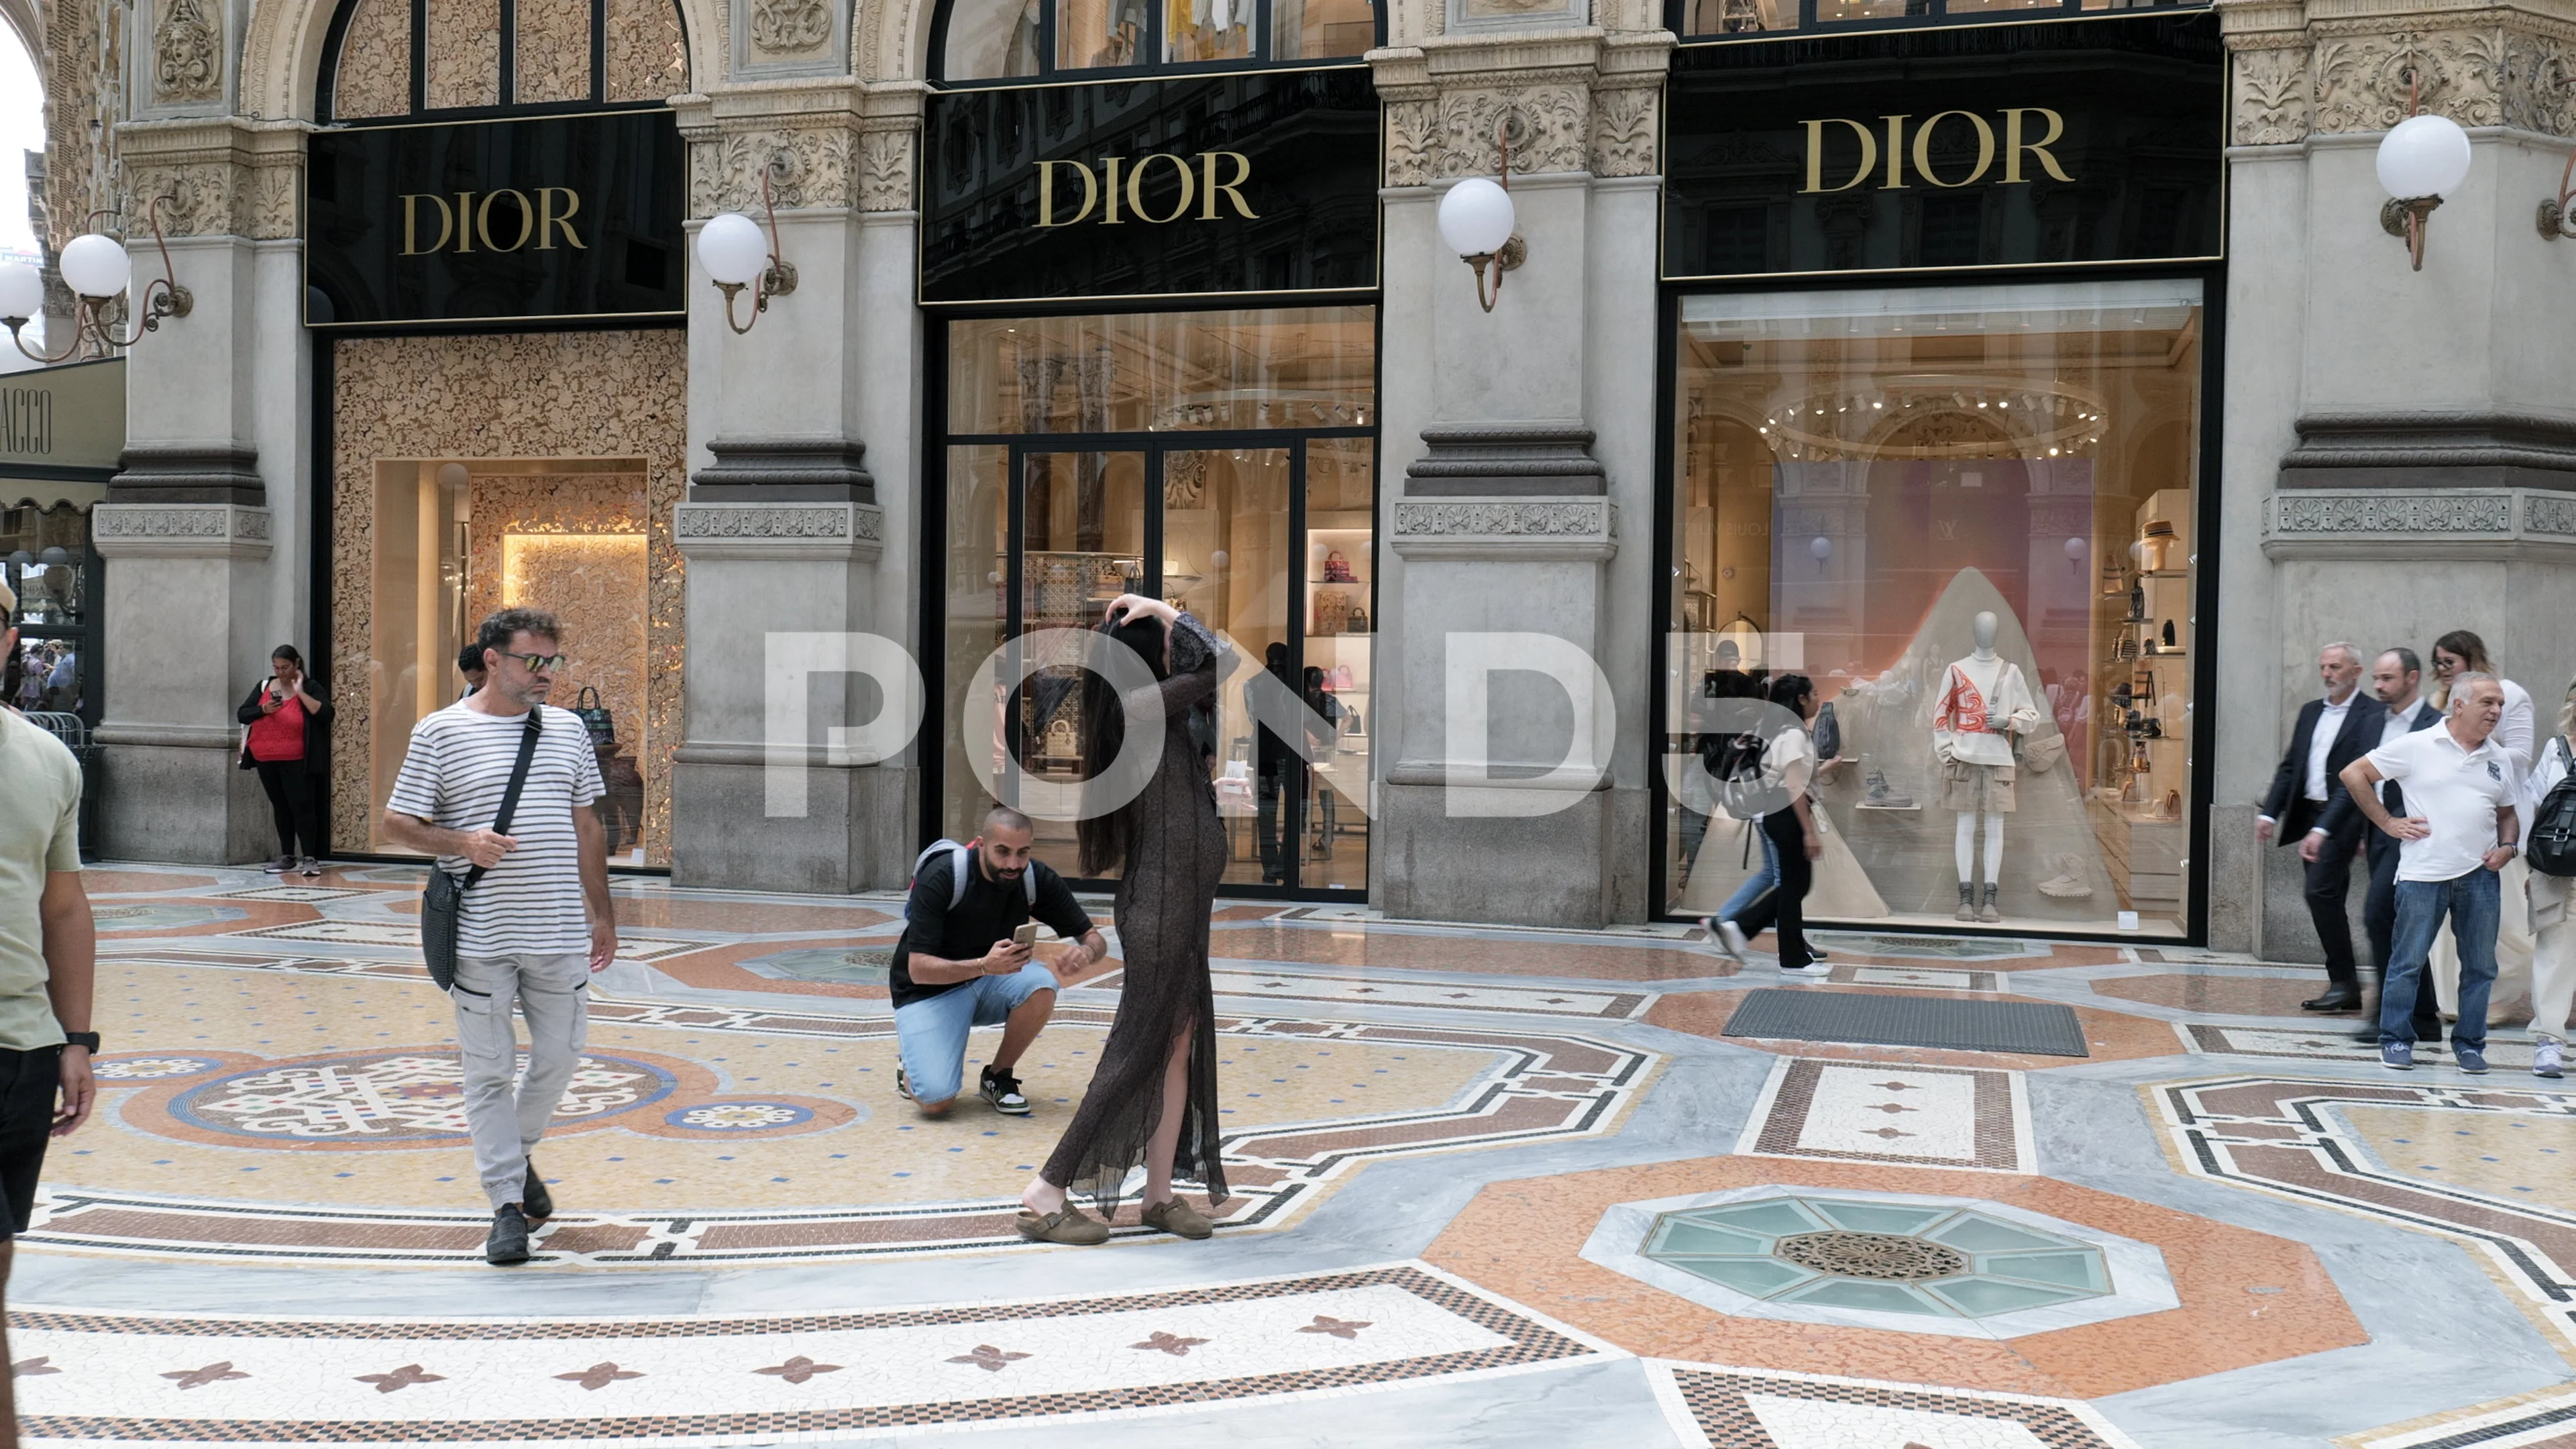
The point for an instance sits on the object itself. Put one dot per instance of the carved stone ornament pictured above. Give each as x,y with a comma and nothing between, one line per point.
885,171
2367,82
1412,136
188,51
2271,100
806,169
179,530
1550,130
790,27
1501,520
754,521
1623,131
197,198
2383,514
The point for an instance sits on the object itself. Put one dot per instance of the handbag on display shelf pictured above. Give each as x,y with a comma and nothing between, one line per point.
594,716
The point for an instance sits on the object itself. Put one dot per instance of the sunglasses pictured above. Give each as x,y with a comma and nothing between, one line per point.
538,663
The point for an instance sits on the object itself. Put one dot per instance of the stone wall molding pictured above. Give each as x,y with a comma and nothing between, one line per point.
1506,527
1571,100
213,177
783,470
2482,524
190,473
188,51
1501,459
2295,75
756,531
179,530
2438,451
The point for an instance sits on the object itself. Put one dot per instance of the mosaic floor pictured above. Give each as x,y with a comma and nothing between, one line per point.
1492,1187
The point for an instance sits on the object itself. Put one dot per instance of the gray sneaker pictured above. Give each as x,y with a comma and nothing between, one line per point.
2548,1058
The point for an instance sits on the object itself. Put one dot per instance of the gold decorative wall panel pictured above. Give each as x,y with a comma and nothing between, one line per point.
590,396
374,78
552,52
647,58
464,53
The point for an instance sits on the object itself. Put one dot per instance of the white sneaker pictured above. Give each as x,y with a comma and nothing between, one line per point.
1730,939
2548,1058
1813,970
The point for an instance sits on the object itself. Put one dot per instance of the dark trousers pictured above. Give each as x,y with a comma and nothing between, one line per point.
294,796
30,1085
1266,825
2379,918
1784,909
2329,881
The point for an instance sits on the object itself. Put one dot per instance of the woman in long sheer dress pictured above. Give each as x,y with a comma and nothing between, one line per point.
1153,1098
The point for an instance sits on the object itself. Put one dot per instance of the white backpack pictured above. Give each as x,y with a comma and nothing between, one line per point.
959,865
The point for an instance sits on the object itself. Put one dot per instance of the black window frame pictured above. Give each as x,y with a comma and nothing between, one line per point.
1923,14
1049,73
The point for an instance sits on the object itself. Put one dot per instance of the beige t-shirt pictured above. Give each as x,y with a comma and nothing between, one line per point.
39,834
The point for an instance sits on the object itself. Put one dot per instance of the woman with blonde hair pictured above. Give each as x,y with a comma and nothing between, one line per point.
2553,959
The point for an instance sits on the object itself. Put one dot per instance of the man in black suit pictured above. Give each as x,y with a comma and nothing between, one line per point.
2396,677
2332,732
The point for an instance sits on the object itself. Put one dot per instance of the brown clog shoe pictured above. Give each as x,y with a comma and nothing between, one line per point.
1179,1219
1067,1225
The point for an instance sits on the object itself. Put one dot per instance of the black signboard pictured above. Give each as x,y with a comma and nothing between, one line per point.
1263,182
1999,145
493,221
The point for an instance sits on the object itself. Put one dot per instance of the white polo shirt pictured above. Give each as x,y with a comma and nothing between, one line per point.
2456,791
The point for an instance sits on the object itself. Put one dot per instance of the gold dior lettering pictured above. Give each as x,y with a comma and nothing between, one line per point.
1105,189
467,221
2019,125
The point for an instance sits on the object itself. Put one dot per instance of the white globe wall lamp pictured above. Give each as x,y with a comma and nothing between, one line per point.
736,254
2421,160
95,266
1478,223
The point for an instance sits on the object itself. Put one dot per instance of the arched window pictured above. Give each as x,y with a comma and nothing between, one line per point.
988,40
400,58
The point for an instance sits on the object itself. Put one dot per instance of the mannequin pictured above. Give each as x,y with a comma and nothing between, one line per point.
1984,704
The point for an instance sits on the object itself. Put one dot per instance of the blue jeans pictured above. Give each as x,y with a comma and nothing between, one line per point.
1763,880
2474,905
930,1035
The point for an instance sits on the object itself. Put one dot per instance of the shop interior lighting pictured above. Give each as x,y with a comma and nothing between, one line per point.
94,266
1478,223
736,254
2422,159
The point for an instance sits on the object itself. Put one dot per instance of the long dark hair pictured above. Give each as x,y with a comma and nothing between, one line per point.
1108,840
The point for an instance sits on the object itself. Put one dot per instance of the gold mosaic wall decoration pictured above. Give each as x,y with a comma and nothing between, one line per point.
534,396
647,58
552,51
374,78
464,53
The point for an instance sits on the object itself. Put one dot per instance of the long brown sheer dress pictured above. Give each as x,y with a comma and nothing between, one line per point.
1162,907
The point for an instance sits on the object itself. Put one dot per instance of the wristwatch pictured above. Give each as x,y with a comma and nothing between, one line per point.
87,1039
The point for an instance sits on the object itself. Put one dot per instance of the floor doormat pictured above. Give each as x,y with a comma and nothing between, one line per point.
1918,1021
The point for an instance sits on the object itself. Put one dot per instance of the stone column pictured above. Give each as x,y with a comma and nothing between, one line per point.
212,496
784,528
1523,435
2400,448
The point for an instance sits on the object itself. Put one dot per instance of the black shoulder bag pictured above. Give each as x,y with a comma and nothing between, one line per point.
444,901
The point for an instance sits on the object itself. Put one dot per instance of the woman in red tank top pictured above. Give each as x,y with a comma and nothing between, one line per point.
288,744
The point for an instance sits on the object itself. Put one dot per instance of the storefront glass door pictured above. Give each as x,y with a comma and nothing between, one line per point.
1223,462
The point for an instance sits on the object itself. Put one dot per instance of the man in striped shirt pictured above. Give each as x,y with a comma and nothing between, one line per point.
538,923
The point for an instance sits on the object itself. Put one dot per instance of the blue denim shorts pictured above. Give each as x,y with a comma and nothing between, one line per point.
931,1034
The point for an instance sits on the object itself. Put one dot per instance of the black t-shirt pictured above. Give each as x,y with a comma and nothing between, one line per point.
991,910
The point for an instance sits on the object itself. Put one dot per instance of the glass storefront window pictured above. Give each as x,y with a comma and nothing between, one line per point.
1220,459
1863,477
454,541
1315,29
983,40
992,40
1695,18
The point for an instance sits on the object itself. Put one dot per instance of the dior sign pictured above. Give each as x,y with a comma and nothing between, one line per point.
570,216
2063,141
1262,182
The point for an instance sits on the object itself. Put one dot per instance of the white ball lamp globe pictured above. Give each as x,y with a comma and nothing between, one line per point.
96,266
22,291
1476,218
732,249
2424,156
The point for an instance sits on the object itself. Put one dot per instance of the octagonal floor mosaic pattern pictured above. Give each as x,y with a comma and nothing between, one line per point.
2222,1225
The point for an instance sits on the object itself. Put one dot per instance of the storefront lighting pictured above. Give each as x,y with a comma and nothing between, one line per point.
96,267
2420,160
2555,220
736,254
1478,223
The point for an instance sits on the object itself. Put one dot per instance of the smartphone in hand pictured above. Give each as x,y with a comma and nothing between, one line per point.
1025,935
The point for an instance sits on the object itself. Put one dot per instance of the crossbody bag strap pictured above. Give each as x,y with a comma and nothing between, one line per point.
518,781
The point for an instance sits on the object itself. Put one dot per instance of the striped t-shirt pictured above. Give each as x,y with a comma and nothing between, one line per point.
454,776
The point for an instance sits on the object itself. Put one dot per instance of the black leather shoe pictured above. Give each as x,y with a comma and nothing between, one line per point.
533,1197
509,1240
2335,999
